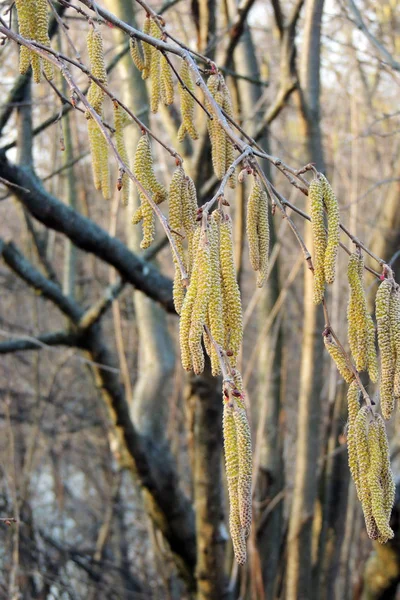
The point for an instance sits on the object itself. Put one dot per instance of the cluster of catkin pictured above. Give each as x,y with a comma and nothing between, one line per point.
143,169
238,464
33,21
326,245
221,146
369,463
153,64
98,144
257,228
212,298
361,329
387,311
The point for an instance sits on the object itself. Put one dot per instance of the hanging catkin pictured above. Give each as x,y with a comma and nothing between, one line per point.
95,94
332,246
42,34
316,195
200,305
146,49
155,70
339,357
167,82
215,307
231,294
230,151
378,505
353,407
361,434
382,311
395,337
33,23
187,104
215,130
99,154
386,476
177,193
187,307
136,51
257,228
243,437
119,122
26,25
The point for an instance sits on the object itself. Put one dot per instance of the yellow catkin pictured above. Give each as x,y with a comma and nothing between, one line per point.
99,154
252,224
395,337
155,70
187,104
215,307
357,315
263,239
382,311
146,49
42,33
177,192
230,151
232,476
338,356
372,357
216,132
361,427
231,294
98,68
187,308
25,9
136,53
243,438
387,480
353,407
332,209
189,214
374,481
200,306
315,194
167,82
119,121
105,171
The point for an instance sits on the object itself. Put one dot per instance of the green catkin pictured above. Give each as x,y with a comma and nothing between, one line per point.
42,34
215,308
167,82
232,476
252,224
187,104
187,307
200,306
216,132
176,196
382,311
105,171
243,437
230,151
333,219
315,194
189,214
99,153
95,94
119,121
231,294
147,48
136,54
357,315
340,359
155,70
361,436
387,481
372,357
263,239
353,407
395,337
25,10
375,487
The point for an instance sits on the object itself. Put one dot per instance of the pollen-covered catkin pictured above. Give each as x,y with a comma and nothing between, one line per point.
200,306
243,437
338,356
372,357
176,196
387,480
374,481
189,215
42,33
263,239
315,194
357,315
119,122
216,132
231,294
146,49
187,104
332,246
395,337
26,11
361,427
187,307
227,106
382,311
215,308
136,53
155,70
99,153
167,82
353,407
95,94
252,224
232,476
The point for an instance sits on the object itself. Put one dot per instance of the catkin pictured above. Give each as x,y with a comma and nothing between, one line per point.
387,481
231,294
243,437
99,153
26,11
230,151
232,476
215,130
215,307
146,49
42,34
257,228
332,246
361,428
263,238
177,192
136,53
119,121
189,215
353,407
375,487
395,337
95,94
155,70
339,357
382,311
316,194
187,307
200,305
187,104
166,81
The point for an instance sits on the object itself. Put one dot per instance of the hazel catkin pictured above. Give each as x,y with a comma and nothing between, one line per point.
95,94
316,194
332,246
353,407
375,486
243,436
339,357
136,52
166,82
187,307
42,34
155,70
119,122
200,305
187,104
394,309
215,307
361,428
382,311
